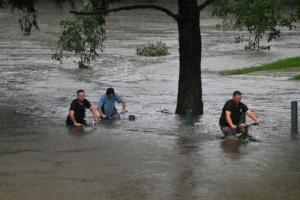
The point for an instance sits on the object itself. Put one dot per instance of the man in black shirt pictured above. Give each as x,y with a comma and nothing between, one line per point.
233,115
77,110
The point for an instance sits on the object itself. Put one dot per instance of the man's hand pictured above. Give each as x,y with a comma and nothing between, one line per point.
103,116
77,124
243,125
253,117
124,111
258,121
233,126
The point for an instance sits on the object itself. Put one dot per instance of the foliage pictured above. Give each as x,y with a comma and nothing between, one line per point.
153,49
297,77
82,36
298,9
28,19
286,64
258,17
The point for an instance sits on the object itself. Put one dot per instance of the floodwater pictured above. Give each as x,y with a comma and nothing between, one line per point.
157,156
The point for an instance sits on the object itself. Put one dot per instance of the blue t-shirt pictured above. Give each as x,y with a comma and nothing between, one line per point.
109,104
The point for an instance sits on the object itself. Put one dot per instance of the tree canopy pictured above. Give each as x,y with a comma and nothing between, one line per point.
257,17
82,35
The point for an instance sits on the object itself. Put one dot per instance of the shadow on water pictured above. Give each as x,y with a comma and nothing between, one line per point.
81,131
233,146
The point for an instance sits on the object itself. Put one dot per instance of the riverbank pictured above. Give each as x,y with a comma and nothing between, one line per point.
289,65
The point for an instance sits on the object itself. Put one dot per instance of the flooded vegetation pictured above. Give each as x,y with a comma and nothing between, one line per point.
157,156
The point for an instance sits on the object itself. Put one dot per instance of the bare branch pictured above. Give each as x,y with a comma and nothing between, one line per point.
133,7
204,4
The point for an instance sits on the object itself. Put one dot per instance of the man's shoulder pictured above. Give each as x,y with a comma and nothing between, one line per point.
229,105
74,101
102,100
118,97
74,104
86,101
103,97
242,104
229,102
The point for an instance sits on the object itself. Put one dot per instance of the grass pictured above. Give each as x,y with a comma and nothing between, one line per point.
297,77
289,64
153,49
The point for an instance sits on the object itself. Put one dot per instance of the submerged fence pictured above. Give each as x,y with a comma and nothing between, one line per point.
294,117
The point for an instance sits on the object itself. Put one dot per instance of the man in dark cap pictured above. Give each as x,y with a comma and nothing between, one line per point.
106,104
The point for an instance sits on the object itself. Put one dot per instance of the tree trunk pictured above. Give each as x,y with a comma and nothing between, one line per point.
190,85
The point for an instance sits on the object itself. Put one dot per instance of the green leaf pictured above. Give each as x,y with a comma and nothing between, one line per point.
83,36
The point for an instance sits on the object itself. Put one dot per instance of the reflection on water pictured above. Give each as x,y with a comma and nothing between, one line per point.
156,156
233,147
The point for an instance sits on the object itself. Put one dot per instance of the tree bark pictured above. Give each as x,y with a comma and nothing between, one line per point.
190,84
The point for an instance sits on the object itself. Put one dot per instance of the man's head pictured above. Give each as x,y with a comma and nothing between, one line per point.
110,92
80,95
237,96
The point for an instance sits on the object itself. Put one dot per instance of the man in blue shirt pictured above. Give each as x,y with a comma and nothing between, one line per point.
106,104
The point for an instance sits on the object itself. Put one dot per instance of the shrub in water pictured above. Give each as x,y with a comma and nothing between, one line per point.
153,49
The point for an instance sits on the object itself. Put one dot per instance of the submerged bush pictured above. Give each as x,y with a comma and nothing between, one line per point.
153,49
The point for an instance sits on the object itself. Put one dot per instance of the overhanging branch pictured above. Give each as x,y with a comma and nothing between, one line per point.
133,7
204,4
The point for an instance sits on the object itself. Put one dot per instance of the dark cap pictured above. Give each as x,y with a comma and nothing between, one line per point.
110,91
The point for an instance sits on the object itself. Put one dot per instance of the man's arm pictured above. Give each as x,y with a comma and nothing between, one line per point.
93,110
72,117
228,119
121,100
253,116
100,104
123,106
100,112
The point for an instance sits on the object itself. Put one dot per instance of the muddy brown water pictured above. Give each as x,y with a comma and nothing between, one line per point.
157,156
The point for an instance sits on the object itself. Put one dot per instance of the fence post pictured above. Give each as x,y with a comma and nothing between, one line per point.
294,112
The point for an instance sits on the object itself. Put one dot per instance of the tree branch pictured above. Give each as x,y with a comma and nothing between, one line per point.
204,4
133,7
94,3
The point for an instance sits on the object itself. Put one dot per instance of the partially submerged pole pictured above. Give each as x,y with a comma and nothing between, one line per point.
294,112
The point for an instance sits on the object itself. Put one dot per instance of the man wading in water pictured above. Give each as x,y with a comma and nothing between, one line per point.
233,115
77,110
106,104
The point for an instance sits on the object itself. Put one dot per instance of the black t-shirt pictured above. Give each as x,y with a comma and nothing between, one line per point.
79,109
236,112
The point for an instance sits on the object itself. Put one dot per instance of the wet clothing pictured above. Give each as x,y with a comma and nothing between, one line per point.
79,110
228,130
238,115
236,112
108,105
